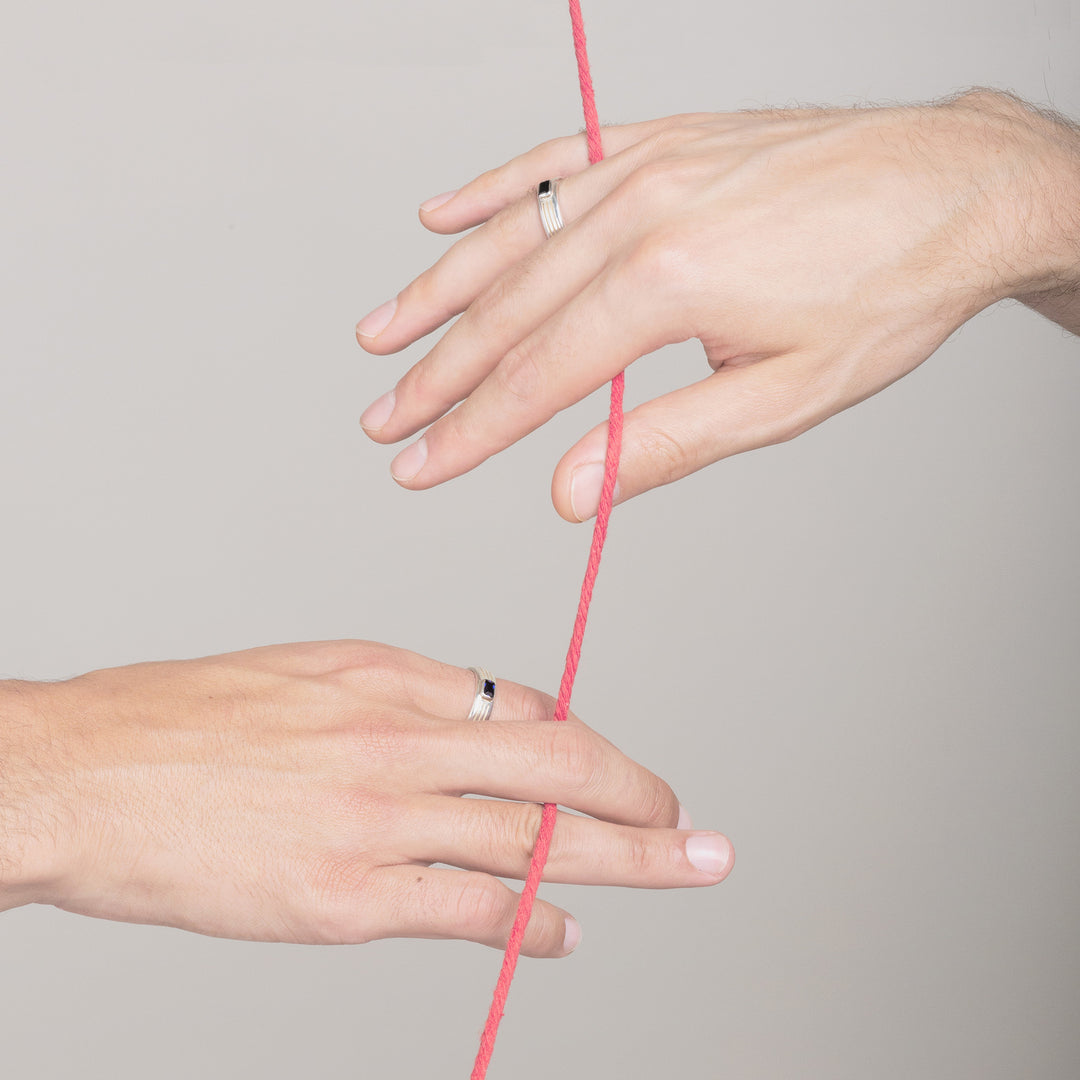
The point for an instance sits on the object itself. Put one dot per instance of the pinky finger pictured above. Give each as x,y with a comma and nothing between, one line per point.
435,903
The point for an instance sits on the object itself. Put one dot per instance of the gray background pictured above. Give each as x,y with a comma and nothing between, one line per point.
854,653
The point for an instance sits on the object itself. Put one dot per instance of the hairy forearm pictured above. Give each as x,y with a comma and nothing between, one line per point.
1056,292
1062,307
25,797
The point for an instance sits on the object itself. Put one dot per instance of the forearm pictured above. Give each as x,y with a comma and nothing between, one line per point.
1062,307
1055,291
26,819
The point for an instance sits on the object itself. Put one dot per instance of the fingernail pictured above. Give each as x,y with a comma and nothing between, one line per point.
438,200
573,934
374,324
378,412
684,819
410,461
585,484
711,854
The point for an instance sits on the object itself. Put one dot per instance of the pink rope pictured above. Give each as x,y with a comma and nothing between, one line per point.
573,655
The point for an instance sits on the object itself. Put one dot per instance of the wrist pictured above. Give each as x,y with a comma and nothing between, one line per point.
30,819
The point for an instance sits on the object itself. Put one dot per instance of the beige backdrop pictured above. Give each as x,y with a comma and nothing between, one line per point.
855,653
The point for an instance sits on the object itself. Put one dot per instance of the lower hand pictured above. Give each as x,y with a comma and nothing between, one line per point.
301,793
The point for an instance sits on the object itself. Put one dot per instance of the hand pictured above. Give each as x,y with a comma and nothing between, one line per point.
818,255
301,792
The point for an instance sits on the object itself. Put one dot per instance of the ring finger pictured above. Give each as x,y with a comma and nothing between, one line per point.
446,691
478,259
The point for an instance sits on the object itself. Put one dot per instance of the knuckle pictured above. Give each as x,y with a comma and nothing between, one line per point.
641,855
666,457
480,904
520,376
790,429
543,153
350,656
636,191
520,833
384,739
570,845
423,385
537,707
668,141
514,228
662,178
657,802
663,266
365,809
371,675
315,658
333,680
577,757
497,310
379,667
989,99
422,289
787,404
661,257
336,885
495,183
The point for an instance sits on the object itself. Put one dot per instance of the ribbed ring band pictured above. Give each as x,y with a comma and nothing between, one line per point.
547,196
484,701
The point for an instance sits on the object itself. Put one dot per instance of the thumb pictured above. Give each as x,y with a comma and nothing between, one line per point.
732,410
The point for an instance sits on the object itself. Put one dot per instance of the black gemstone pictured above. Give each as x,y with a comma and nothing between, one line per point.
489,689
545,188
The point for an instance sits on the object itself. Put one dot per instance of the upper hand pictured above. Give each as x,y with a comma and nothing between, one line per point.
817,254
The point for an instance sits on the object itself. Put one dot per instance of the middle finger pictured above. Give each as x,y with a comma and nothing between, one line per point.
498,838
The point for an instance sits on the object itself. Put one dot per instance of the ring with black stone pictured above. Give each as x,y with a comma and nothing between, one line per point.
547,196
484,701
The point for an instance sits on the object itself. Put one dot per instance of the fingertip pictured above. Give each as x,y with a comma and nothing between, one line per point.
578,478
379,436
561,500
560,497
586,484
568,495
437,201
573,935
551,934
730,865
374,418
447,215
711,854
439,214
377,345
405,467
375,322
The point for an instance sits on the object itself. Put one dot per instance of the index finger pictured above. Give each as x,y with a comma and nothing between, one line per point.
620,316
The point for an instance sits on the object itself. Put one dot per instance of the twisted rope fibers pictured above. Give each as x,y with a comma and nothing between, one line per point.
573,655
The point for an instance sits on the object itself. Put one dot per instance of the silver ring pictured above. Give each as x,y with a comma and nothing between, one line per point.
547,195
484,701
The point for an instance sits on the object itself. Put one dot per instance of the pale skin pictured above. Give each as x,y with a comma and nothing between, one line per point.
817,254
302,793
